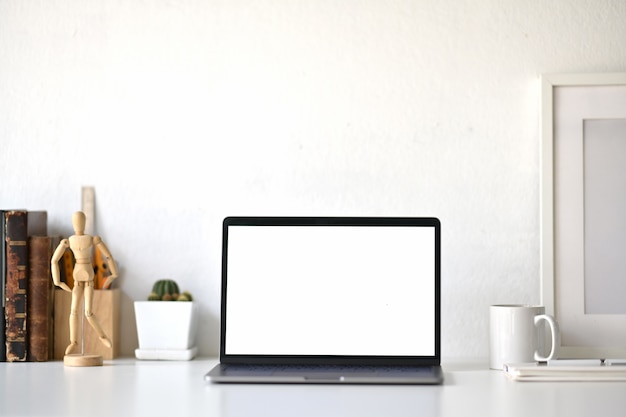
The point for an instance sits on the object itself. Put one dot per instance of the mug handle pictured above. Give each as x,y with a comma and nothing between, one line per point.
556,338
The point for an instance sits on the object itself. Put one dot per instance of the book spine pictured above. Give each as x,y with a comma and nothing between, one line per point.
3,280
40,298
16,285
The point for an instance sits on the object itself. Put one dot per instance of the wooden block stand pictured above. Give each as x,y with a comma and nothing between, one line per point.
106,307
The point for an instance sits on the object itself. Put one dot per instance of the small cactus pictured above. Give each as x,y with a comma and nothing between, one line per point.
167,290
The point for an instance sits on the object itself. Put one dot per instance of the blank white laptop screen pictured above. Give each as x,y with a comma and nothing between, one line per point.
330,290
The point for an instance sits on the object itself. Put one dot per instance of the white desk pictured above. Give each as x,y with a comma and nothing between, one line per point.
128,387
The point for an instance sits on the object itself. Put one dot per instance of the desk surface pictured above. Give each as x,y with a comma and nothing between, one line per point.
129,387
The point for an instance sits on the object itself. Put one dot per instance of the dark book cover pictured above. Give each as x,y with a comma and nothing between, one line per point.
16,222
3,280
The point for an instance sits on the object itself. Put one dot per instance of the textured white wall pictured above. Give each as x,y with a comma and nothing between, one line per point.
183,112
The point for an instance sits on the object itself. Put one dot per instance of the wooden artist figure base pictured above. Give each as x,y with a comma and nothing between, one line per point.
78,359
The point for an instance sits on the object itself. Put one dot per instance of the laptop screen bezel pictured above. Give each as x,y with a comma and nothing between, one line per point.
331,359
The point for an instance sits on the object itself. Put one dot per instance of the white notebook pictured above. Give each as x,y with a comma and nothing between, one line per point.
570,372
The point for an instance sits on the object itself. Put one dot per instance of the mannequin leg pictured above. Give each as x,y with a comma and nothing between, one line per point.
77,296
91,318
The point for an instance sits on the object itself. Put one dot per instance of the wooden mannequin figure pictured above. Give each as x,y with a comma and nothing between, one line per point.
82,246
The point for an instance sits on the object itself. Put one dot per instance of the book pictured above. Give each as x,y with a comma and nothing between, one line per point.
16,232
533,371
15,288
40,318
3,280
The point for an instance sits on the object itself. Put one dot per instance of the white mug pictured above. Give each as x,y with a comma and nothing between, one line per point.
515,334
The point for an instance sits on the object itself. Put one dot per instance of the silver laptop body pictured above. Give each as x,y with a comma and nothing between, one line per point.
330,300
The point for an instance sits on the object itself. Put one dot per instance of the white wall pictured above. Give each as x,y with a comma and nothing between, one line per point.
180,112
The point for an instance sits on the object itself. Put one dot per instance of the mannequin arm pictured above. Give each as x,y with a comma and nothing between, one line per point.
54,265
109,260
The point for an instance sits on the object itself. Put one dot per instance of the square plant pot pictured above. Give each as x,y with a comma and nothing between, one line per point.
166,329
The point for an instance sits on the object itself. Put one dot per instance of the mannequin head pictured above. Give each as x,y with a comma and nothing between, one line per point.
78,221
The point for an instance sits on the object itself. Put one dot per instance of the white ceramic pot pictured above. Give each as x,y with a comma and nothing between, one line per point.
166,329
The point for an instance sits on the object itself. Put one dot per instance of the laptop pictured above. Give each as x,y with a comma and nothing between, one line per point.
332,300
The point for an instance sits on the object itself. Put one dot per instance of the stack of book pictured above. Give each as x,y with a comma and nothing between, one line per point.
27,289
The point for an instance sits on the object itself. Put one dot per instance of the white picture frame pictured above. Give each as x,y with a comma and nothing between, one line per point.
573,105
